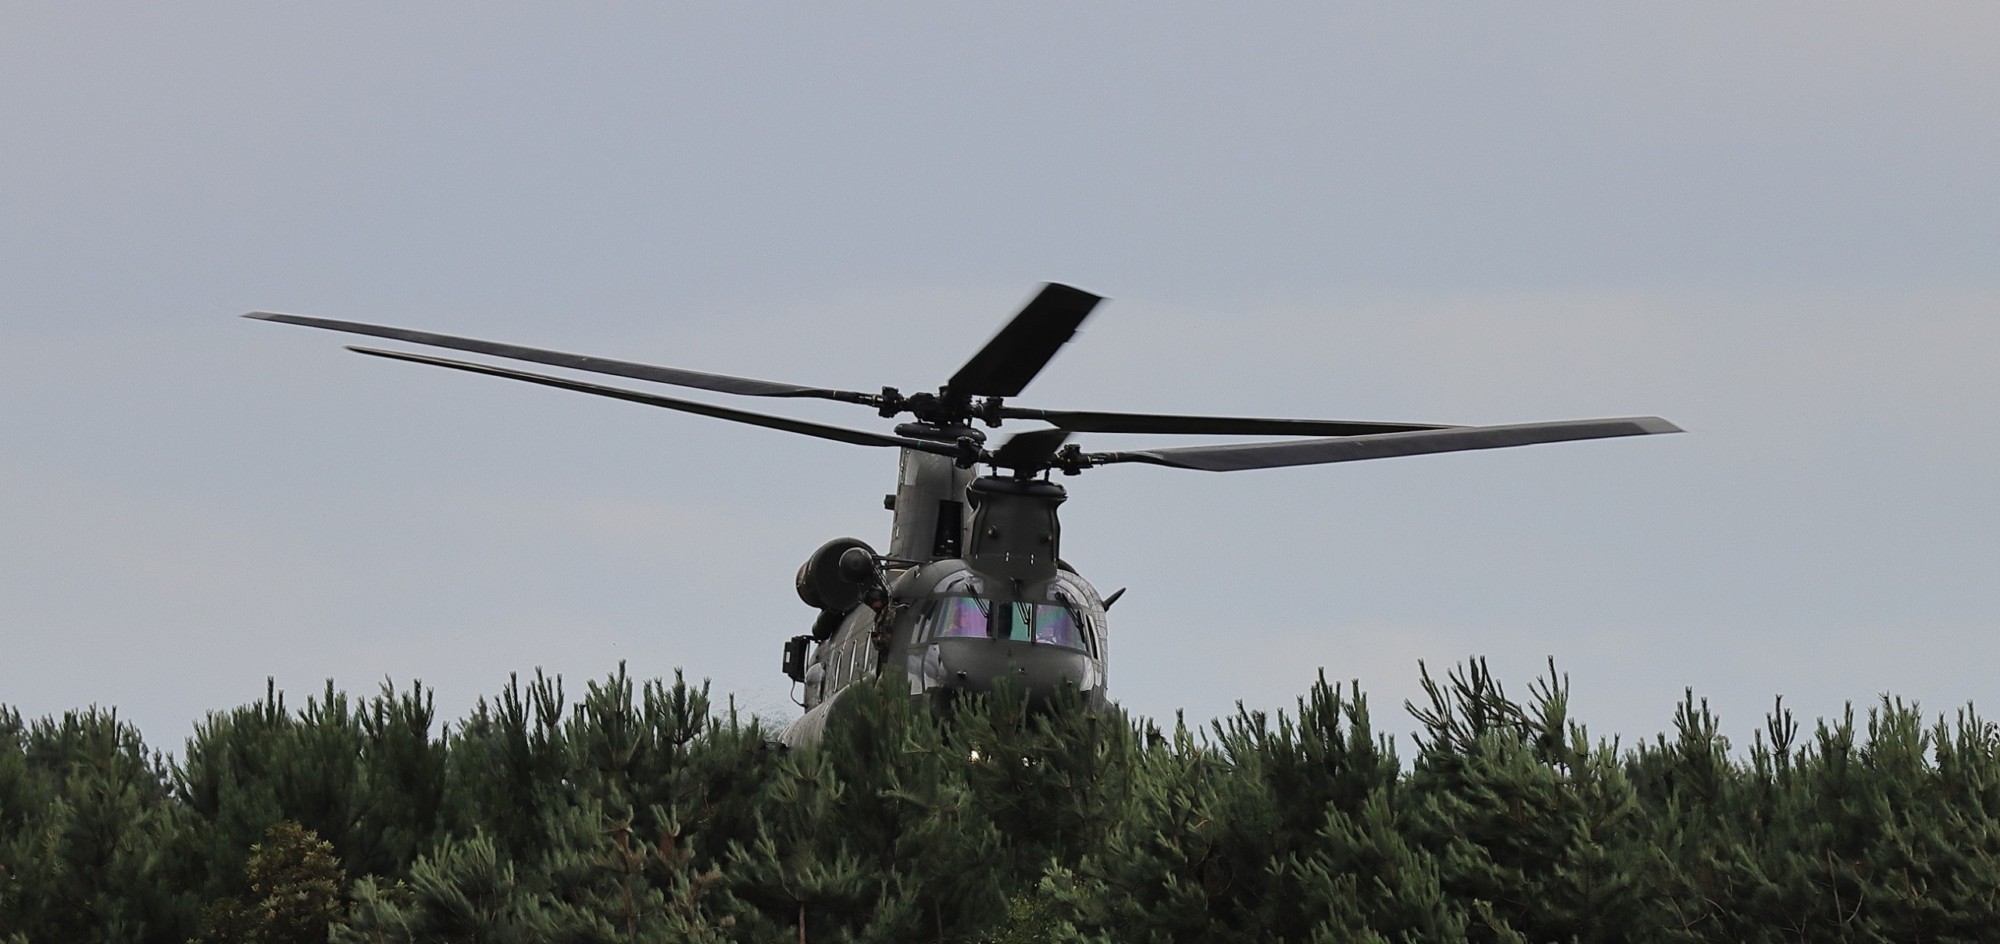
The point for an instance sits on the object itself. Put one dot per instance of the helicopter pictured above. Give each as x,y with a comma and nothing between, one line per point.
972,589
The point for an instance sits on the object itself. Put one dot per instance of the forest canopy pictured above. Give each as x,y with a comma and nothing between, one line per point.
641,812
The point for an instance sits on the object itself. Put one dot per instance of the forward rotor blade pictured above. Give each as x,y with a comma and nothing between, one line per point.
1005,365
1030,450
787,424
1091,421
1419,442
720,383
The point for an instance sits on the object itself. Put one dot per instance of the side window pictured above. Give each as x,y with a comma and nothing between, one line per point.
816,683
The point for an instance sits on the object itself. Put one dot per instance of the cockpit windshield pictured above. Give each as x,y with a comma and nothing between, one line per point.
957,617
1067,617
1048,623
1056,625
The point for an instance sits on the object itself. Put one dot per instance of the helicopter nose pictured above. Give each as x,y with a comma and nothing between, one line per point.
977,665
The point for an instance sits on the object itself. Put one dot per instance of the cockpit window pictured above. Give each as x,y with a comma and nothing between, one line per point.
1052,624
1013,621
958,616
1056,625
960,609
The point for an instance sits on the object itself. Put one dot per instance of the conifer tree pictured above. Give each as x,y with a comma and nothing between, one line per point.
86,829
1525,820
295,890
507,764
641,813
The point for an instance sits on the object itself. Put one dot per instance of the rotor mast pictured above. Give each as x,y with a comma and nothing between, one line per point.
929,502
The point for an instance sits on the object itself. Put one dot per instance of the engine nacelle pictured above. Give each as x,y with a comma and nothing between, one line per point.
836,575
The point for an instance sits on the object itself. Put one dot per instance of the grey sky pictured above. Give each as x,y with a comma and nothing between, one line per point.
1779,227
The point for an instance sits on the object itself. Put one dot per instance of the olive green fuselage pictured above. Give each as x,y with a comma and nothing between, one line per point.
971,592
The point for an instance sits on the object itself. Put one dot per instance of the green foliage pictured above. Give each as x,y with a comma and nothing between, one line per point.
296,892
368,778
87,831
641,812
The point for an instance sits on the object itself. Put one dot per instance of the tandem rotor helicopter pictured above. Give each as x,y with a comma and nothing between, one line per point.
972,587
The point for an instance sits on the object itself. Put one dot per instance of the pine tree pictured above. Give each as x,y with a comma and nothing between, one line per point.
296,889
640,813
86,828
1528,823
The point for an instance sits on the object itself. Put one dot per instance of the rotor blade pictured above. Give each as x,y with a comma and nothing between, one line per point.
1029,450
720,383
1092,421
787,424
1419,442
1005,365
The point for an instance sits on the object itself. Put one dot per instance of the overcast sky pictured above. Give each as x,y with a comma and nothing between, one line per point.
1777,225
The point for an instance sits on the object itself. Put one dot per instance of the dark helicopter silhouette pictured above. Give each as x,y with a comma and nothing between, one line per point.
972,588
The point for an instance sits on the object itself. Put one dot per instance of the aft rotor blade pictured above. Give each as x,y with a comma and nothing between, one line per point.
1269,455
1005,365
720,383
835,433
1091,421
1029,450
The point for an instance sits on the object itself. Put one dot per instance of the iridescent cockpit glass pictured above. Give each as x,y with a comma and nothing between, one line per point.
1056,626
958,617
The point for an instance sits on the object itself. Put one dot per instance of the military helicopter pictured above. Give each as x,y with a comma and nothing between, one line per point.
972,587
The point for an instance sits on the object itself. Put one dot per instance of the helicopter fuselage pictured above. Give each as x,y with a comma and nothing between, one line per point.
943,635
989,599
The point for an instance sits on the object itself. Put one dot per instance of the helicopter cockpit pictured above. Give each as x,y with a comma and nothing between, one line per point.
1067,616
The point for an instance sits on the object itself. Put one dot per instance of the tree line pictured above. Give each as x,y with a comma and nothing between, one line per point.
642,812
